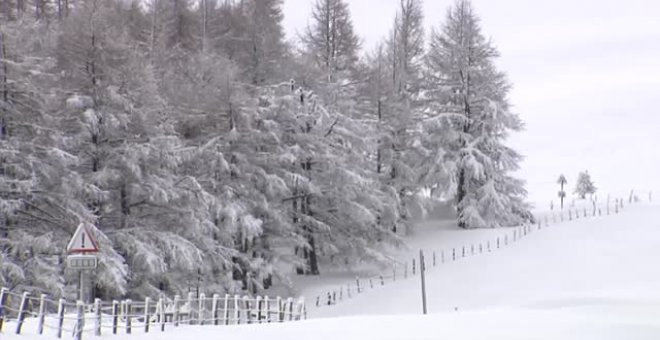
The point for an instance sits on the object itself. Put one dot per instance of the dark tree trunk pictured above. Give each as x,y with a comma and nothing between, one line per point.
460,195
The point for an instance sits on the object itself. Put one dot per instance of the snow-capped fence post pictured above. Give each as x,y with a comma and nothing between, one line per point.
421,274
463,251
4,293
453,254
129,317
41,315
214,309
357,281
498,242
413,267
80,320
147,302
98,317
329,299
318,301
22,310
371,283
175,312
405,270
60,317
382,280
161,314
481,248
442,256
115,316
472,249
434,258
200,308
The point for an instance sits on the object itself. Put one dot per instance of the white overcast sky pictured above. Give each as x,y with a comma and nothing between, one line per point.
586,77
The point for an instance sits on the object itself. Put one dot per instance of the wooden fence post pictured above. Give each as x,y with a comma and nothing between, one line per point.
214,309
259,307
371,283
161,315
463,251
80,324
191,298
267,308
147,301
472,249
4,293
453,254
382,280
248,314
98,319
357,280
413,267
129,318
498,242
42,314
225,313
22,311
237,310
175,312
60,317
115,316
200,308
289,303
280,309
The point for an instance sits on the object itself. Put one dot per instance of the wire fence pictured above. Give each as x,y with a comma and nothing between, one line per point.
23,313
592,209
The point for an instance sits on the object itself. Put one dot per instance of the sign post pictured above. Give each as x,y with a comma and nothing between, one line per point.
422,269
82,249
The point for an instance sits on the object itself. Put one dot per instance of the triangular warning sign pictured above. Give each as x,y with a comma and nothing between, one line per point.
82,241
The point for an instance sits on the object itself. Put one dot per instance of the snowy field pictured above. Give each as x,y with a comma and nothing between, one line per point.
593,278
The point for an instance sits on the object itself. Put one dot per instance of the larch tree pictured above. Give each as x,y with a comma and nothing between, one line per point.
562,194
469,98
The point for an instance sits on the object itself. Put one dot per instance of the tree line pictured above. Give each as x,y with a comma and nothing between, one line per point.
201,143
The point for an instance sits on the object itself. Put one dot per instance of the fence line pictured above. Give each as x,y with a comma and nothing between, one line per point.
98,318
457,253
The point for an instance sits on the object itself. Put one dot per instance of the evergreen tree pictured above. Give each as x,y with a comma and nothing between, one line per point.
468,100
584,186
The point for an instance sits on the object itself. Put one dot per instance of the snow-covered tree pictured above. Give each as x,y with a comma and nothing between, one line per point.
584,186
467,100
562,194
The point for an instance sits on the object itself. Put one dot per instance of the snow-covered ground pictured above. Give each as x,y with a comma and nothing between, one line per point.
593,278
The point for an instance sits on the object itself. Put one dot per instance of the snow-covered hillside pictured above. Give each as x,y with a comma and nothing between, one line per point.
588,279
